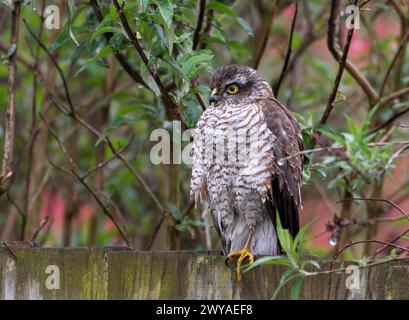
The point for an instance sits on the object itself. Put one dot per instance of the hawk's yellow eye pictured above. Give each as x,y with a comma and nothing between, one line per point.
232,89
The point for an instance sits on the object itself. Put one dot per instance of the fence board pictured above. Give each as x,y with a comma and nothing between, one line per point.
114,273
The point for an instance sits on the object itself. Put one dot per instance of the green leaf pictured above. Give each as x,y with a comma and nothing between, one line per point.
286,276
166,11
113,13
104,23
174,211
296,288
121,121
221,7
284,236
163,46
314,264
300,235
71,13
192,113
108,29
116,42
279,260
183,37
62,38
244,24
190,66
102,137
170,61
241,53
101,54
139,108
11,51
149,80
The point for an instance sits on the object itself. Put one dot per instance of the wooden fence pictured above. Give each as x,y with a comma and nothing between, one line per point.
109,273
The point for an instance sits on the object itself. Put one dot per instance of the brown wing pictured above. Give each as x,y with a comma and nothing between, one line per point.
286,180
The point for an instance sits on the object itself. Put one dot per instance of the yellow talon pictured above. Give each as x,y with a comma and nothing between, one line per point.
242,254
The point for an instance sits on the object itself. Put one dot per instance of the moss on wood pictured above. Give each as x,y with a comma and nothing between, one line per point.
112,273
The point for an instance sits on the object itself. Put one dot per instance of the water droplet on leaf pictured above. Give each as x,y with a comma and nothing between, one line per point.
333,241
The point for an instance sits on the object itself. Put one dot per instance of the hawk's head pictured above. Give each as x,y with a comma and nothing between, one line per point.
237,84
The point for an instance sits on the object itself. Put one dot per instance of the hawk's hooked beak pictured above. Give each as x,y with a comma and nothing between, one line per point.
213,96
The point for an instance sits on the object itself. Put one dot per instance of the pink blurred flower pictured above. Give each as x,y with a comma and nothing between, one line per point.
53,205
289,10
84,215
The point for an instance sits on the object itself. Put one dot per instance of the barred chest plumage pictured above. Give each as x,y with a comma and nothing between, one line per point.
234,146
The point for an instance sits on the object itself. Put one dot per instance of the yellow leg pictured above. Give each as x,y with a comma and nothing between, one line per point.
242,254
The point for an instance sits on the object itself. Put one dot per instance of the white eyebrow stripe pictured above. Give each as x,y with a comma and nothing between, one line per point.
240,79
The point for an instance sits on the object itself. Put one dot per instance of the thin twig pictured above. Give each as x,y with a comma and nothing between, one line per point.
395,95
105,162
196,35
74,170
402,45
330,148
390,121
333,26
42,225
333,46
208,27
123,61
107,140
6,170
171,108
57,66
263,43
379,200
288,53
393,241
81,121
33,127
156,230
388,244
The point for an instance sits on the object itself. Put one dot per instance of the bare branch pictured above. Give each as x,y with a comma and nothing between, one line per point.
196,35
259,52
402,45
396,95
75,172
379,200
333,26
335,50
6,170
95,132
42,225
105,162
387,244
390,121
171,108
393,241
288,53
123,61
208,27
57,66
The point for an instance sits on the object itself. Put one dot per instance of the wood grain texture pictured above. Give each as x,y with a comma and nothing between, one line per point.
116,273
